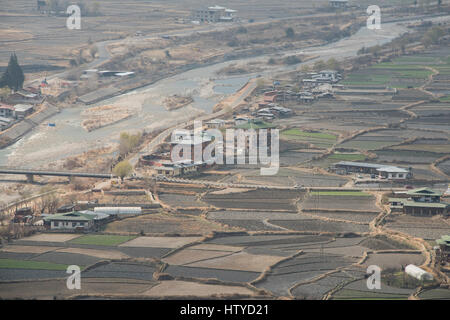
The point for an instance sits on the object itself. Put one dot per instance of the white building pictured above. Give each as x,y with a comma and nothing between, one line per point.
393,173
214,14
22,110
418,273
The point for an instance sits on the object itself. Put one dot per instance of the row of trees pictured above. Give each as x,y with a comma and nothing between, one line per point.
13,76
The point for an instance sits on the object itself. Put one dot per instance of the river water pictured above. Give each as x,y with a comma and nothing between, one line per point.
45,144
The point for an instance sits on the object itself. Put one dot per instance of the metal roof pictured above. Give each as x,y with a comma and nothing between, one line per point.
418,204
424,192
70,216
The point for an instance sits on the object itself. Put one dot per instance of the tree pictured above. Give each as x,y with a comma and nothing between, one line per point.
432,36
290,32
333,64
122,169
128,142
13,77
319,65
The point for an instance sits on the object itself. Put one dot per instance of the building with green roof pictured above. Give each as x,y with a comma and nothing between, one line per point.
422,201
84,220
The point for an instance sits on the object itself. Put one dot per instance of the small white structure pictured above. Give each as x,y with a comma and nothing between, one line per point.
391,172
418,273
118,210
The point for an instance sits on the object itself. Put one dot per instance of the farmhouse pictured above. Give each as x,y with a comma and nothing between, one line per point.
22,110
393,173
6,110
383,171
76,220
327,76
173,169
214,14
423,202
23,96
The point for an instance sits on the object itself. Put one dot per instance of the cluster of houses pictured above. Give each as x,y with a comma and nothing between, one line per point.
374,169
162,163
68,219
213,14
324,76
17,106
282,95
272,111
421,202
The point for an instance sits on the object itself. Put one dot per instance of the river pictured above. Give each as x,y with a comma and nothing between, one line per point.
45,144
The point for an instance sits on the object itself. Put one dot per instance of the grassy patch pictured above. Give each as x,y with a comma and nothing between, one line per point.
445,99
28,264
341,193
102,240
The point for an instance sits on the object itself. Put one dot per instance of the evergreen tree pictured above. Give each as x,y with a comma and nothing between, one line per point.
13,76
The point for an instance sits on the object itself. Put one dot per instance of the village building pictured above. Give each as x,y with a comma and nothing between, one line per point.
214,14
22,110
5,123
76,220
6,110
393,173
382,171
173,169
327,76
421,202
26,97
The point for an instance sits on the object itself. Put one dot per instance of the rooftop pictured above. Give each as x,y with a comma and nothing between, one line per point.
23,107
71,216
424,192
417,204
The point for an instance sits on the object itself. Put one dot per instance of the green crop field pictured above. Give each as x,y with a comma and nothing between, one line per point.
102,240
28,264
